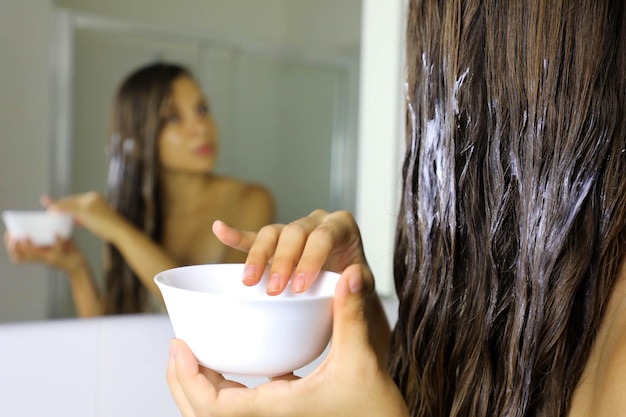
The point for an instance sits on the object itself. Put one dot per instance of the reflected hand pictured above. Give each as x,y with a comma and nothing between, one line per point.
63,254
349,382
90,210
321,240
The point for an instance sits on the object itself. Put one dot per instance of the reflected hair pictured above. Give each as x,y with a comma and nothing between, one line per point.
512,221
132,185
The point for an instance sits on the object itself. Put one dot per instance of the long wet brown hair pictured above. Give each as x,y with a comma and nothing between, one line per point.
136,124
513,214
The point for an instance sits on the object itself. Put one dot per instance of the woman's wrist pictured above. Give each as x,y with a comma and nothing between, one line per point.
76,266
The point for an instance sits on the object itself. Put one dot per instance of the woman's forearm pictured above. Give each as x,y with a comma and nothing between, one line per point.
144,256
84,292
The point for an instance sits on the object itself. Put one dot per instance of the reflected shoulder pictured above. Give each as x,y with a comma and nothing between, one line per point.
261,199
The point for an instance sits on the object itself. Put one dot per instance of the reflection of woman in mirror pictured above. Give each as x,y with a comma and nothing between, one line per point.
510,256
163,197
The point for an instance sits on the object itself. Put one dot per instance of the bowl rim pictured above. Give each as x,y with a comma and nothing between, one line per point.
34,212
280,298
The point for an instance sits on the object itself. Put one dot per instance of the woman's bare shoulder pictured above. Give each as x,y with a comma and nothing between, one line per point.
258,204
245,190
608,397
601,389
255,202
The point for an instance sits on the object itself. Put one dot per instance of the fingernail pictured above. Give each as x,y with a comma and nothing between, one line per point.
355,283
173,348
248,274
299,283
273,284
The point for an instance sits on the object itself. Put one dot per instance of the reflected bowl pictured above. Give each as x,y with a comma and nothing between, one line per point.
40,226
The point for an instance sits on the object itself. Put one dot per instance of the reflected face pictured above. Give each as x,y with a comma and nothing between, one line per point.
188,141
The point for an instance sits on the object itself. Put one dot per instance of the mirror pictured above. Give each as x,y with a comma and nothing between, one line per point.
302,57
284,118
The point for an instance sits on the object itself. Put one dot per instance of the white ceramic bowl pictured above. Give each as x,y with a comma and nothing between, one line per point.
240,330
41,226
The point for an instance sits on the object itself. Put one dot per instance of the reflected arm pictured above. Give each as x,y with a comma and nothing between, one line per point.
144,256
84,291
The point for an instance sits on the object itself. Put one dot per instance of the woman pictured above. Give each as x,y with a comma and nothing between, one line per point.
163,197
510,262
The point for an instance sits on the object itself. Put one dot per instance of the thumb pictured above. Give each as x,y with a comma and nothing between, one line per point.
349,319
241,240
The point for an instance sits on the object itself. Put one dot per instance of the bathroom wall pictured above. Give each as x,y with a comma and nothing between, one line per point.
322,26
25,139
